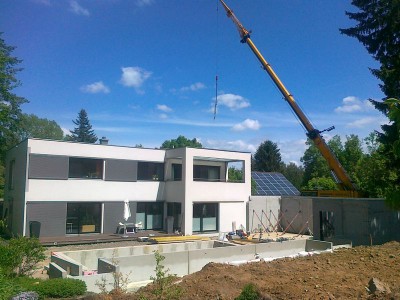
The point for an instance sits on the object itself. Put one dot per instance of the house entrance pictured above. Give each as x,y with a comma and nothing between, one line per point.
205,217
83,218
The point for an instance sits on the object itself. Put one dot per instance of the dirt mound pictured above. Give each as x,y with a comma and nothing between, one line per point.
344,274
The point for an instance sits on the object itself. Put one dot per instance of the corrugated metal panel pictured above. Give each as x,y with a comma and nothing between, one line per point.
120,170
48,166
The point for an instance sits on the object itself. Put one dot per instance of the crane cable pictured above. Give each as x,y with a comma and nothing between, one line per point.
216,63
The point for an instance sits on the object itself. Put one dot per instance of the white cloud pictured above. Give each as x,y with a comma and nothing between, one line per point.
141,3
193,87
233,102
352,104
247,124
164,108
237,145
292,150
95,88
361,123
134,77
77,9
163,116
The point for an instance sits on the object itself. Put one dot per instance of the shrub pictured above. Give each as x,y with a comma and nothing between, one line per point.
61,288
20,256
8,288
249,292
4,230
164,282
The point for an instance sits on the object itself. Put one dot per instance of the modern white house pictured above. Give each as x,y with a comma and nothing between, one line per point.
75,188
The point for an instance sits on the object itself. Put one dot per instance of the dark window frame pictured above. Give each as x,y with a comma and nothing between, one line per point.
176,170
201,173
86,170
150,171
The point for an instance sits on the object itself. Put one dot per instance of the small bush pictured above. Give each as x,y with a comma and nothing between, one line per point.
61,288
5,232
8,288
20,255
249,292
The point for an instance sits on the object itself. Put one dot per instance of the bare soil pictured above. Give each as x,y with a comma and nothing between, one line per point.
343,274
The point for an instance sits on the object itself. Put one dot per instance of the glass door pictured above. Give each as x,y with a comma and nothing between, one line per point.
205,217
83,218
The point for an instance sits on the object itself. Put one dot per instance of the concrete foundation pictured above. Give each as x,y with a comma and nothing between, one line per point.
138,263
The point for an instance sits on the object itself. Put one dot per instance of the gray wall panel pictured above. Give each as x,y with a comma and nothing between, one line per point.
48,166
51,215
121,170
114,213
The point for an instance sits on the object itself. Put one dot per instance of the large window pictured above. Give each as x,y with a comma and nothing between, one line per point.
150,171
83,218
88,168
205,217
177,172
206,173
150,214
174,209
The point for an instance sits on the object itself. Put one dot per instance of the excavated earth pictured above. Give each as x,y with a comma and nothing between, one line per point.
343,274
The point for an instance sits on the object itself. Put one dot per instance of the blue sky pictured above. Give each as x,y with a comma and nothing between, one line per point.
144,70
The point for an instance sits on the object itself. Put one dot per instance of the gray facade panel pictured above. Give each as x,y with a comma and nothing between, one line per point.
120,170
114,213
48,166
51,215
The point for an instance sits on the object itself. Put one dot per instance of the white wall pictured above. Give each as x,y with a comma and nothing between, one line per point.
231,212
94,150
93,190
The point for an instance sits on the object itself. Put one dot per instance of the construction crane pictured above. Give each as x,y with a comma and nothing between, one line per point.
343,180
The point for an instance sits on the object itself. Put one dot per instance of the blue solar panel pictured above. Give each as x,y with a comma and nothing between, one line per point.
273,184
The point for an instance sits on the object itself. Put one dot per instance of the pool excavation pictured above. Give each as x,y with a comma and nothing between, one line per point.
137,263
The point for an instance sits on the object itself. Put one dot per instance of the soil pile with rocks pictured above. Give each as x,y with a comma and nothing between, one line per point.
355,273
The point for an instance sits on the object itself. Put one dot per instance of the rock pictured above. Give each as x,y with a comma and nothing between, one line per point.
331,297
26,296
377,286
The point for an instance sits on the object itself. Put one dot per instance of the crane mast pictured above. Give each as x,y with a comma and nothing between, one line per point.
341,177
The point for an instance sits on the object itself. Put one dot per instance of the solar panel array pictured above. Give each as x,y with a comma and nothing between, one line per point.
273,184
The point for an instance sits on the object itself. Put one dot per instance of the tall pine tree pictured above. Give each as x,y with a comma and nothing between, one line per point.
267,158
378,29
83,132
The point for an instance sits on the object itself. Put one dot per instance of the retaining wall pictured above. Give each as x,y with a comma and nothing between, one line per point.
188,258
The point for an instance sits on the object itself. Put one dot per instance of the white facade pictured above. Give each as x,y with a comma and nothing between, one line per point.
47,180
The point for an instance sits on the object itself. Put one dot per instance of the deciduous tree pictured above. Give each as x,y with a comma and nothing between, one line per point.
181,142
10,103
34,127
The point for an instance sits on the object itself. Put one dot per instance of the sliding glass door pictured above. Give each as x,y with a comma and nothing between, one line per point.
83,218
205,217
150,214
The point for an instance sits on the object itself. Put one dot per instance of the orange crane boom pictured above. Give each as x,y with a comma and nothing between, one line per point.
341,177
